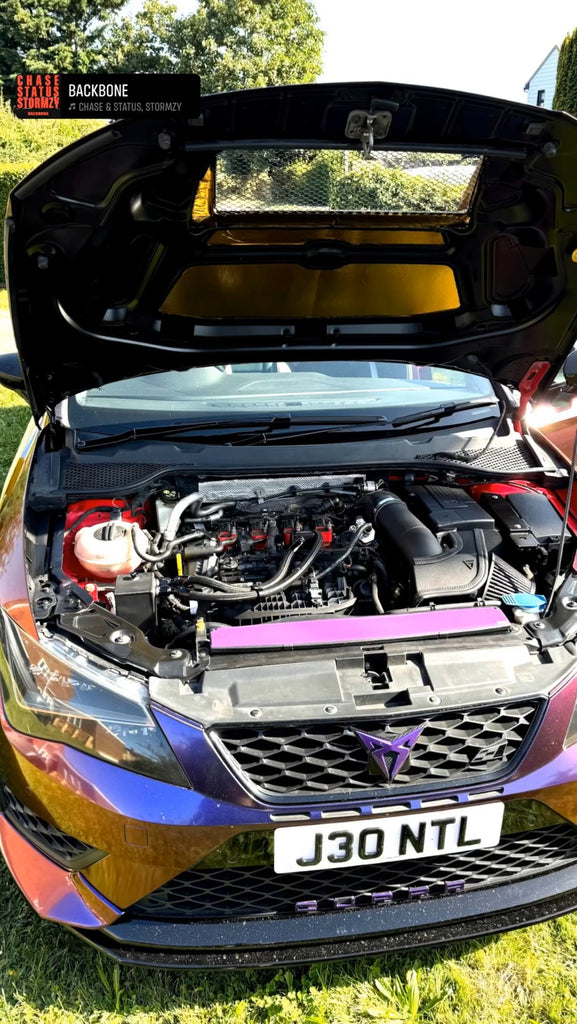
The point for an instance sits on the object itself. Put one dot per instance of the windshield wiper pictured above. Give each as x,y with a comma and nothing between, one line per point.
384,427
438,412
280,428
198,430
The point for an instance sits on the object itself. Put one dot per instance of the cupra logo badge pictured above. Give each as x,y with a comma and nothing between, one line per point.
389,755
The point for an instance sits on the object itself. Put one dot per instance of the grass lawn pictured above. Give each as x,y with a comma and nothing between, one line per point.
49,977
3,298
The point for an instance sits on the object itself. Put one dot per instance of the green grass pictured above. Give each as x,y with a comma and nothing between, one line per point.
3,299
525,977
14,415
49,977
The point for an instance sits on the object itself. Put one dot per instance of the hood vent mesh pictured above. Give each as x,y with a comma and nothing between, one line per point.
512,458
92,477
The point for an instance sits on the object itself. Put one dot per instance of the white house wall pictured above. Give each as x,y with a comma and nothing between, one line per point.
544,78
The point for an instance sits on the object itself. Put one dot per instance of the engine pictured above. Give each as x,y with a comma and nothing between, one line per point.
243,552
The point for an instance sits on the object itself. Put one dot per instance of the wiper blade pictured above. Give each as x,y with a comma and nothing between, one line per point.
259,430
438,412
240,428
384,428
174,429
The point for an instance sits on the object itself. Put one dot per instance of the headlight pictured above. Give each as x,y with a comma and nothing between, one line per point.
57,692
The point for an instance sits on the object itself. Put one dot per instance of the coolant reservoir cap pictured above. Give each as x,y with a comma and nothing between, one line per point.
528,602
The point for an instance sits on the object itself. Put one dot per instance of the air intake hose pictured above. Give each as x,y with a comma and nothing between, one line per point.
392,517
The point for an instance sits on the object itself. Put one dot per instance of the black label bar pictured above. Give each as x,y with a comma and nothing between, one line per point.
44,95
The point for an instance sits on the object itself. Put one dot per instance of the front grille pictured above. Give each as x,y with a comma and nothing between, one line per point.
258,891
329,758
65,850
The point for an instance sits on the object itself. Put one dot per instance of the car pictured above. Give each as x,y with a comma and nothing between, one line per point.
288,633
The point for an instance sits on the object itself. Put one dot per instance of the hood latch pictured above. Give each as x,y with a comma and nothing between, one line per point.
365,127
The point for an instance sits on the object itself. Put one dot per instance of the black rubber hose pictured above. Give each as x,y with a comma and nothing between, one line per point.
350,546
266,590
151,559
91,511
289,581
233,588
394,518
146,556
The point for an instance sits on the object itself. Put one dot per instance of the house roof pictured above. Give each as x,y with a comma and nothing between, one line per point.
544,61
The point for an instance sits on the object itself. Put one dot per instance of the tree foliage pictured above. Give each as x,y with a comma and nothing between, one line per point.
23,141
232,44
10,175
566,88
147,41
53,35
334,180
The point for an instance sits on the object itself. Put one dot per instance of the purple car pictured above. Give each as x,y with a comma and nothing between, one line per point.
288,586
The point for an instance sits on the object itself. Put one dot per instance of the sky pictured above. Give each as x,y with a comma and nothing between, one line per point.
490,47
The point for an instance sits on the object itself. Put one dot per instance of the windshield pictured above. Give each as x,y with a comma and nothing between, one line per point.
379,388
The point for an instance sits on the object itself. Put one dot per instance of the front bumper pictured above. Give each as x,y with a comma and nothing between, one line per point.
152,832
348,933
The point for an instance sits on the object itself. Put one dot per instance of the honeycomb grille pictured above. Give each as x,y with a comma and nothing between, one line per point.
66,850
509,458
319,759
100,477
258,891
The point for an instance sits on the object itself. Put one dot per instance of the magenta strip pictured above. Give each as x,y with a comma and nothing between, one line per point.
321,632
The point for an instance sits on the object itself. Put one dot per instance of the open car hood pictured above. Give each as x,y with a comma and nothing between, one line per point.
124,258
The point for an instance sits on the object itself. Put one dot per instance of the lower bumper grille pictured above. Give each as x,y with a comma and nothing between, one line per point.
258,891
64,850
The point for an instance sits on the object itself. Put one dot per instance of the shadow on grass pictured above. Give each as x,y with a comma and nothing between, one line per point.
45,966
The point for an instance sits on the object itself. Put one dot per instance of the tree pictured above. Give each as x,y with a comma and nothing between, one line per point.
232,44
32,141
52,35
566,89
147,41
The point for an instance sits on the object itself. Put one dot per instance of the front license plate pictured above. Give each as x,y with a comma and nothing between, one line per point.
377,840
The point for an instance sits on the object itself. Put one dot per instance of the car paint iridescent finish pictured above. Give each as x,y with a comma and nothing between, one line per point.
151,831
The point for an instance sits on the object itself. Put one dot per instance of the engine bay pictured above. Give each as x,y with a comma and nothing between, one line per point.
190,555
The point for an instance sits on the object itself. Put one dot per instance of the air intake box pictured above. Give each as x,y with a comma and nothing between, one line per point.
527,518
451,508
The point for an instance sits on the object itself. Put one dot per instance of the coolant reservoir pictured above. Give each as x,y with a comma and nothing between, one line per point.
106,550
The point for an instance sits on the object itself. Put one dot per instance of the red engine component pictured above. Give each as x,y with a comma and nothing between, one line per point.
227,537
87,513
325,528
259,537
557,499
